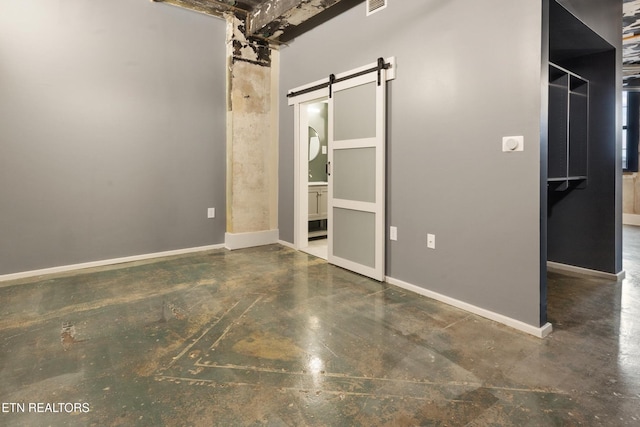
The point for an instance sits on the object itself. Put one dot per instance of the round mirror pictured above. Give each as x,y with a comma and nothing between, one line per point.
314,143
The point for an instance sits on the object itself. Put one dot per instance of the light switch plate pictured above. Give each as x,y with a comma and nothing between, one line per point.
431,241
211,212
393,233
512,143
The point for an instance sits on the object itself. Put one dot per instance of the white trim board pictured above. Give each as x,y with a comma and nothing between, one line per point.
233,241
102,263
572,269
539,332
630,219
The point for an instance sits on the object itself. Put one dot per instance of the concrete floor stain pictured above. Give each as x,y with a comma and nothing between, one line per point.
270,346
68,335
270,336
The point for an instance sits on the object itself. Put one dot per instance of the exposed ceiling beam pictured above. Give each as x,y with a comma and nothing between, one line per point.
268,11
276,21
630,70
208,7
272,18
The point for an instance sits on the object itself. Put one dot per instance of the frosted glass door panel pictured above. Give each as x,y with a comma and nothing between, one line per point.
356,183
354,236
355,112
354,174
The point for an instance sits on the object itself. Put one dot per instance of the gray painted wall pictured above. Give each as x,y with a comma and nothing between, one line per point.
112,137
468,74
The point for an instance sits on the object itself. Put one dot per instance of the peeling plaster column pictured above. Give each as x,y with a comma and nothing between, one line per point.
252,139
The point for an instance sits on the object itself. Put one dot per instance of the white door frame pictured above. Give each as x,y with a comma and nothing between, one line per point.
301,165
301,151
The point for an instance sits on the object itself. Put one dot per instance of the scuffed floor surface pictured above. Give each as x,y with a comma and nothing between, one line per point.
270,336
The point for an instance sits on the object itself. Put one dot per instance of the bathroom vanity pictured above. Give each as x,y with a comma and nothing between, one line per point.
318,194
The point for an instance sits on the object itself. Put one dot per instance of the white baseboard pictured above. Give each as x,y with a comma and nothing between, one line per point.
102,263
630,219
572,269
234,241
539,332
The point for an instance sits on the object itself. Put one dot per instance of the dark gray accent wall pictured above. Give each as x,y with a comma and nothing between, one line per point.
602,16
582,222
585,225
112,131
468,74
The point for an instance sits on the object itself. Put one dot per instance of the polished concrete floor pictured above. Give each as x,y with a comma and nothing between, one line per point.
270,336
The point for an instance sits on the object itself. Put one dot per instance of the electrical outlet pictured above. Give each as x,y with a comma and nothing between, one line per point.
431,241
211,212
393,233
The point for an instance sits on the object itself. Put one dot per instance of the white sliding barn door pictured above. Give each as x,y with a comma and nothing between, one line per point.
356,206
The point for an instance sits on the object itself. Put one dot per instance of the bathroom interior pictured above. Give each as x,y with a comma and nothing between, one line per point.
317,178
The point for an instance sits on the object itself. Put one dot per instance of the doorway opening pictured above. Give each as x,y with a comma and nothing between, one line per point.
580,230
339,184
317,126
